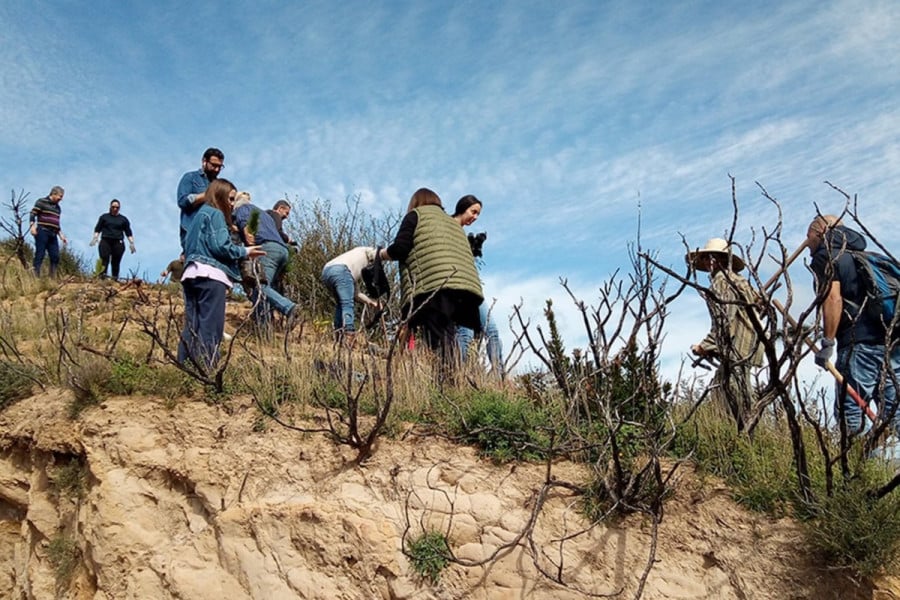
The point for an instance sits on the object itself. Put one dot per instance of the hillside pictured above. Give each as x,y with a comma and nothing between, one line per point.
169,490
191,502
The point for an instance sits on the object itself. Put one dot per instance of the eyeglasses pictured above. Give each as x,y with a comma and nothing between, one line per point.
215,166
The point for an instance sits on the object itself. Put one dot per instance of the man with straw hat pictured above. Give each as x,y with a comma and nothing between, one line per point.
732,339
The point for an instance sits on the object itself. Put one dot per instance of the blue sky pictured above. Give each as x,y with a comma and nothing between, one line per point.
570,120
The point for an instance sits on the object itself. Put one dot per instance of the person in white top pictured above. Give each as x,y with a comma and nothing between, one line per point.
341,275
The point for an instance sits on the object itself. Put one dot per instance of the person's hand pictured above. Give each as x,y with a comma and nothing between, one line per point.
698,350
255,251
33,229
823,354
94,240
63,238
131,247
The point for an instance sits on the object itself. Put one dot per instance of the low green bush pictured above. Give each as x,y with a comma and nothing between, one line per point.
429,554
500,426
64,556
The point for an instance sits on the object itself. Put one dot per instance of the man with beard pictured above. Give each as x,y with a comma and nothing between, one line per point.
193,185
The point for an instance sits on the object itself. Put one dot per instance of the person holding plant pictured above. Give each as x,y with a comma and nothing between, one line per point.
210,268
468,209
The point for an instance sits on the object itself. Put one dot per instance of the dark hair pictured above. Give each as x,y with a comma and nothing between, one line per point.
281,203
463,204
210,152
217,196
423,197
115,201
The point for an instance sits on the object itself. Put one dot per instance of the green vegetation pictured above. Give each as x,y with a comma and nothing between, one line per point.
70,479
429,554
64,556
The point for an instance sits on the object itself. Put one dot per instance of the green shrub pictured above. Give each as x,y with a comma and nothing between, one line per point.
64,556
70,479
429,554
502,427
855,530
128,376
15,383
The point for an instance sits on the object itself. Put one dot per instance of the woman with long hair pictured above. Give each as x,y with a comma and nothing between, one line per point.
210,259
439,284
468,209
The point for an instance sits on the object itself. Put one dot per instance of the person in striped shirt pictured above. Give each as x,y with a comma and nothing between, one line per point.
45,228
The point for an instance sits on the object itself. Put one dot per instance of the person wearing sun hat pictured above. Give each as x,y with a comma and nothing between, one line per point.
732,338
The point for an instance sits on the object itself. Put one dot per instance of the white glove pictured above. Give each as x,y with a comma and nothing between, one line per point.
94,240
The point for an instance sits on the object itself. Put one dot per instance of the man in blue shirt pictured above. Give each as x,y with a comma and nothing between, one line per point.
274,262
193,184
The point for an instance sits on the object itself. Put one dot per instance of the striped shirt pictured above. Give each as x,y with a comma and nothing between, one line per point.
46,213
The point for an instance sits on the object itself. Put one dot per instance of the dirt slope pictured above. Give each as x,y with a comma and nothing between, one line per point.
192,503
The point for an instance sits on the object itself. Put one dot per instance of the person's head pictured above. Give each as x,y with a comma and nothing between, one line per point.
715,256
283,208
213,163
468,208
240,199
221,194
114,206
815,234
56,193
423,197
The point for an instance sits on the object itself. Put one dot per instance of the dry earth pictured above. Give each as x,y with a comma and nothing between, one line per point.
192,503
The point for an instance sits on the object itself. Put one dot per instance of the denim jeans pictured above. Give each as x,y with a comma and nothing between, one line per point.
491,334
46,242
862,367
204,321
339,280
274,262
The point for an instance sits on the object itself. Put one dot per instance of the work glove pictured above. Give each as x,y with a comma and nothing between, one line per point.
131,247
94,240
826,349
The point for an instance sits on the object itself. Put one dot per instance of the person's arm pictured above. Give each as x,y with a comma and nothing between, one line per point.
189,198
33,218
403,242
832,307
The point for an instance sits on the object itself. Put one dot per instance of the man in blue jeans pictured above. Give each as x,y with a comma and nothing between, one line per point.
258,228
45,227
862,358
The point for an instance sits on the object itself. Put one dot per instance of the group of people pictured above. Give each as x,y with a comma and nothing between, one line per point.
868,357
441,295
45,226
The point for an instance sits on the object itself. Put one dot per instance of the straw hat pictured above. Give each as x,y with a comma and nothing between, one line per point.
716,248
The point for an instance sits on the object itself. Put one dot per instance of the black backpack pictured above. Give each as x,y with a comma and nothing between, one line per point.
375,279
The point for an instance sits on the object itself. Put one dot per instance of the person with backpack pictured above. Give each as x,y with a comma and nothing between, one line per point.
732,340
843,295
342,276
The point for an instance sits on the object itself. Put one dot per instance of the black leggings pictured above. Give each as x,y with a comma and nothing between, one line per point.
110,248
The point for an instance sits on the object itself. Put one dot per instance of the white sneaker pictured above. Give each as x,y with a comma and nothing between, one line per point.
227,336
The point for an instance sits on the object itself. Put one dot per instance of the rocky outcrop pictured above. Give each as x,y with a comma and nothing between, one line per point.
191,502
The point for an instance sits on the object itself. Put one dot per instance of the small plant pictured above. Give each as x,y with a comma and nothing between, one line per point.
15,383
70,479
129,376
429,555
88,382
503,427
64,556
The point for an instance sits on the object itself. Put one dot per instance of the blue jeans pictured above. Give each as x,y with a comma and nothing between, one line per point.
204,321
491,334
46,242
862,367
339,280
274,262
